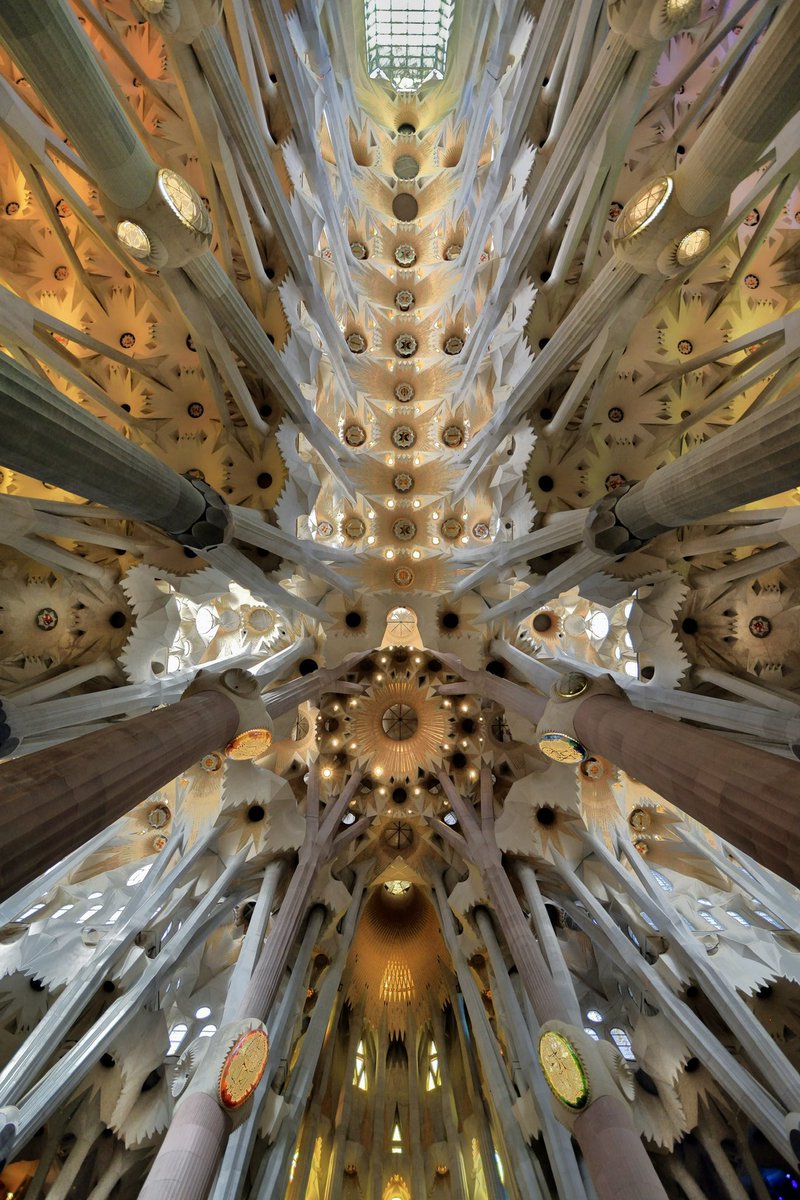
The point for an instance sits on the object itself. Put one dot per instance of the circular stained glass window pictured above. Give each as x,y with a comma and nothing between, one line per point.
404,529
134,239
355,435
405,255
406,167
398,834
399,722
405,345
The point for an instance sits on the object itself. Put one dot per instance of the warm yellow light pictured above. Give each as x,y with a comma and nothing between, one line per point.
415,554
390,553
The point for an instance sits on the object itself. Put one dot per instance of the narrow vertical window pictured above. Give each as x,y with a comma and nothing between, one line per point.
360,1074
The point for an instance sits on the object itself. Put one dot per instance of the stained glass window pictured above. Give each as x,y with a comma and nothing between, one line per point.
434,1075
407,40
623,1042
360,1075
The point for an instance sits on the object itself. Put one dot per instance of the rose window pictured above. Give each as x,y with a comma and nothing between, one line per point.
399,722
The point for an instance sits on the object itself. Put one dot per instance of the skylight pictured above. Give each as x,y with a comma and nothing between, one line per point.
407,40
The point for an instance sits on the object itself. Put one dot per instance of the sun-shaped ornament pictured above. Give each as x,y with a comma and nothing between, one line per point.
243,1068
399,728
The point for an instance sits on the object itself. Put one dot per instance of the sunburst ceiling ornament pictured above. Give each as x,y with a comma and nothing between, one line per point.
399,728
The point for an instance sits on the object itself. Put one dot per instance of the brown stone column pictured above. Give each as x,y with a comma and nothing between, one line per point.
54,801
745,795
612,1149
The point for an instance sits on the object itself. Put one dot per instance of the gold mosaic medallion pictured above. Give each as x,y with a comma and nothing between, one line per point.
243,1068
562,748
563,1069
250,744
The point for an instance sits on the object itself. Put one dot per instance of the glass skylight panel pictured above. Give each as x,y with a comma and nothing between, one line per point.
407,40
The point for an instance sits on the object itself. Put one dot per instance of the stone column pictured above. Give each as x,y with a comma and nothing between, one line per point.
718,782
283,1020
415,1085
494,1186
549,943
606,1123
167,1175
495,1075
272,1178
53,801
458,1177
49,437
710,778
757,457
378,1112
47,44
341,1117
557,1140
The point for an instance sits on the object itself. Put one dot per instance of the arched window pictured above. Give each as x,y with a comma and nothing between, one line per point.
623,1044
662,881
176,1036
434,1074
207,1031
360,1074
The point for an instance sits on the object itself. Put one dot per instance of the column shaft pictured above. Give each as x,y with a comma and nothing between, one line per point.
51,438
716,781
758,457
55,800
78,95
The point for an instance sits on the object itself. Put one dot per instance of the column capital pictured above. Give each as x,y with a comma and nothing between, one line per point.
183,20
253,736
557,737
604,532
213,527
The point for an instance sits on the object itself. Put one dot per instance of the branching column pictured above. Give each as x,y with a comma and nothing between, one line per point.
618,1162
185,1146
